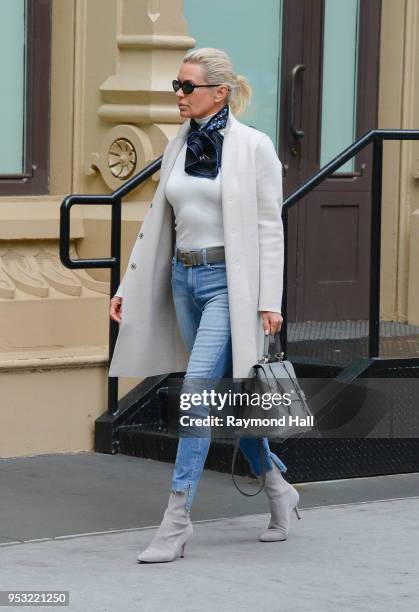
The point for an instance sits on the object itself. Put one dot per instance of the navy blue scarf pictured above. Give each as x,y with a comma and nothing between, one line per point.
204,146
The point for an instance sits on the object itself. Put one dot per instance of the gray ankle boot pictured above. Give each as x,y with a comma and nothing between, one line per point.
283,498
170,538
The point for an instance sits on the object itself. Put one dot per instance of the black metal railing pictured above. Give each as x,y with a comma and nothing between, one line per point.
114,261
376,137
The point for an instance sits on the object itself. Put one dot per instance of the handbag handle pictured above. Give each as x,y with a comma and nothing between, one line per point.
272,348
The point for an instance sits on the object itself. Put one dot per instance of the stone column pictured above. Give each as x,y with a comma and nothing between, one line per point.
399,109
138,102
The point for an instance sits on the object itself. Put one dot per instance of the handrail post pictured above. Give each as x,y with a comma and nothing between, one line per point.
375,248
115,280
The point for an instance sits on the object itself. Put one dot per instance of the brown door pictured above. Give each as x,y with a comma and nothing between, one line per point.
328,99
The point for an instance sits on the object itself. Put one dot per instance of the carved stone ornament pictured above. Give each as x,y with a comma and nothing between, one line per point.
36,270
124,151
122,158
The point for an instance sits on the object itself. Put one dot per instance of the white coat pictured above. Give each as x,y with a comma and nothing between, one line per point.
149,340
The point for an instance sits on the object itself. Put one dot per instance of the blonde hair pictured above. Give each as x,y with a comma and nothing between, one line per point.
218,68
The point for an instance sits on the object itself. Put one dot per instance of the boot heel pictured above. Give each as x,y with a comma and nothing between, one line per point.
297,513
182,550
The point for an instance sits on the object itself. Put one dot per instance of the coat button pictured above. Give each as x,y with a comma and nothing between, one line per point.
141,235
133,266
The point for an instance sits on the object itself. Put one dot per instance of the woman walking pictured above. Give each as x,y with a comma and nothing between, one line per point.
206,307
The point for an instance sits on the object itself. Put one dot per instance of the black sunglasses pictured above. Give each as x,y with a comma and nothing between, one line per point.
188,87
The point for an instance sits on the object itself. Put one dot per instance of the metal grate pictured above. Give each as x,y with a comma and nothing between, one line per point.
328,330
341,342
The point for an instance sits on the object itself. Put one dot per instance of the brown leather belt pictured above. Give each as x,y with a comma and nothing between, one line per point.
196,258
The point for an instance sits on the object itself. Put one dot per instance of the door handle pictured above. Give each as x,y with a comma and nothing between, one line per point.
291,102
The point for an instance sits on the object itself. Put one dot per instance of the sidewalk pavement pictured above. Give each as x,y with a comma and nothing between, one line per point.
356,547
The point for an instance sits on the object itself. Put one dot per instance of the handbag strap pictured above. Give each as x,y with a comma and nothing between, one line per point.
267,354
262,463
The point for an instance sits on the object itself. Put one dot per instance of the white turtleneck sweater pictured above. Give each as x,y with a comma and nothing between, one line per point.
196,202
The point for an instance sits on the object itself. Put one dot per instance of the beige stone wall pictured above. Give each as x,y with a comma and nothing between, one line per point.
409,287
399,109
49,403
112,64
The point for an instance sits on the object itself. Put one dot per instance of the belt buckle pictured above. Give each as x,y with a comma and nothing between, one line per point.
188,259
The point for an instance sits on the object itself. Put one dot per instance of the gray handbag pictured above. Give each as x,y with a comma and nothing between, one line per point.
272,376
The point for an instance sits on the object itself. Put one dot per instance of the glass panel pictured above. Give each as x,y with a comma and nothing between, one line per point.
340,67
252,38
12,75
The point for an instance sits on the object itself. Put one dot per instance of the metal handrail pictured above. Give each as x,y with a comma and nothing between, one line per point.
114,199
114,261
376,137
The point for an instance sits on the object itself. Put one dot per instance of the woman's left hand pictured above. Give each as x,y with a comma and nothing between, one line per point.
272,321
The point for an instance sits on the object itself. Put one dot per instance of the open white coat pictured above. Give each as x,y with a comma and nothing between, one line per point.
149,340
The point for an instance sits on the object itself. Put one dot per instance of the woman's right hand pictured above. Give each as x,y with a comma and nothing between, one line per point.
115,310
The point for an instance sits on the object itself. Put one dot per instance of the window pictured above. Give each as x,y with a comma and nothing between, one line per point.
340,74
251,35
25,34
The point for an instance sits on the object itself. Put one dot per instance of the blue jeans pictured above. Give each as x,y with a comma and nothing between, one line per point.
201,301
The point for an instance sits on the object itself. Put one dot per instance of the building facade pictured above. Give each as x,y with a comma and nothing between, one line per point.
87,102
